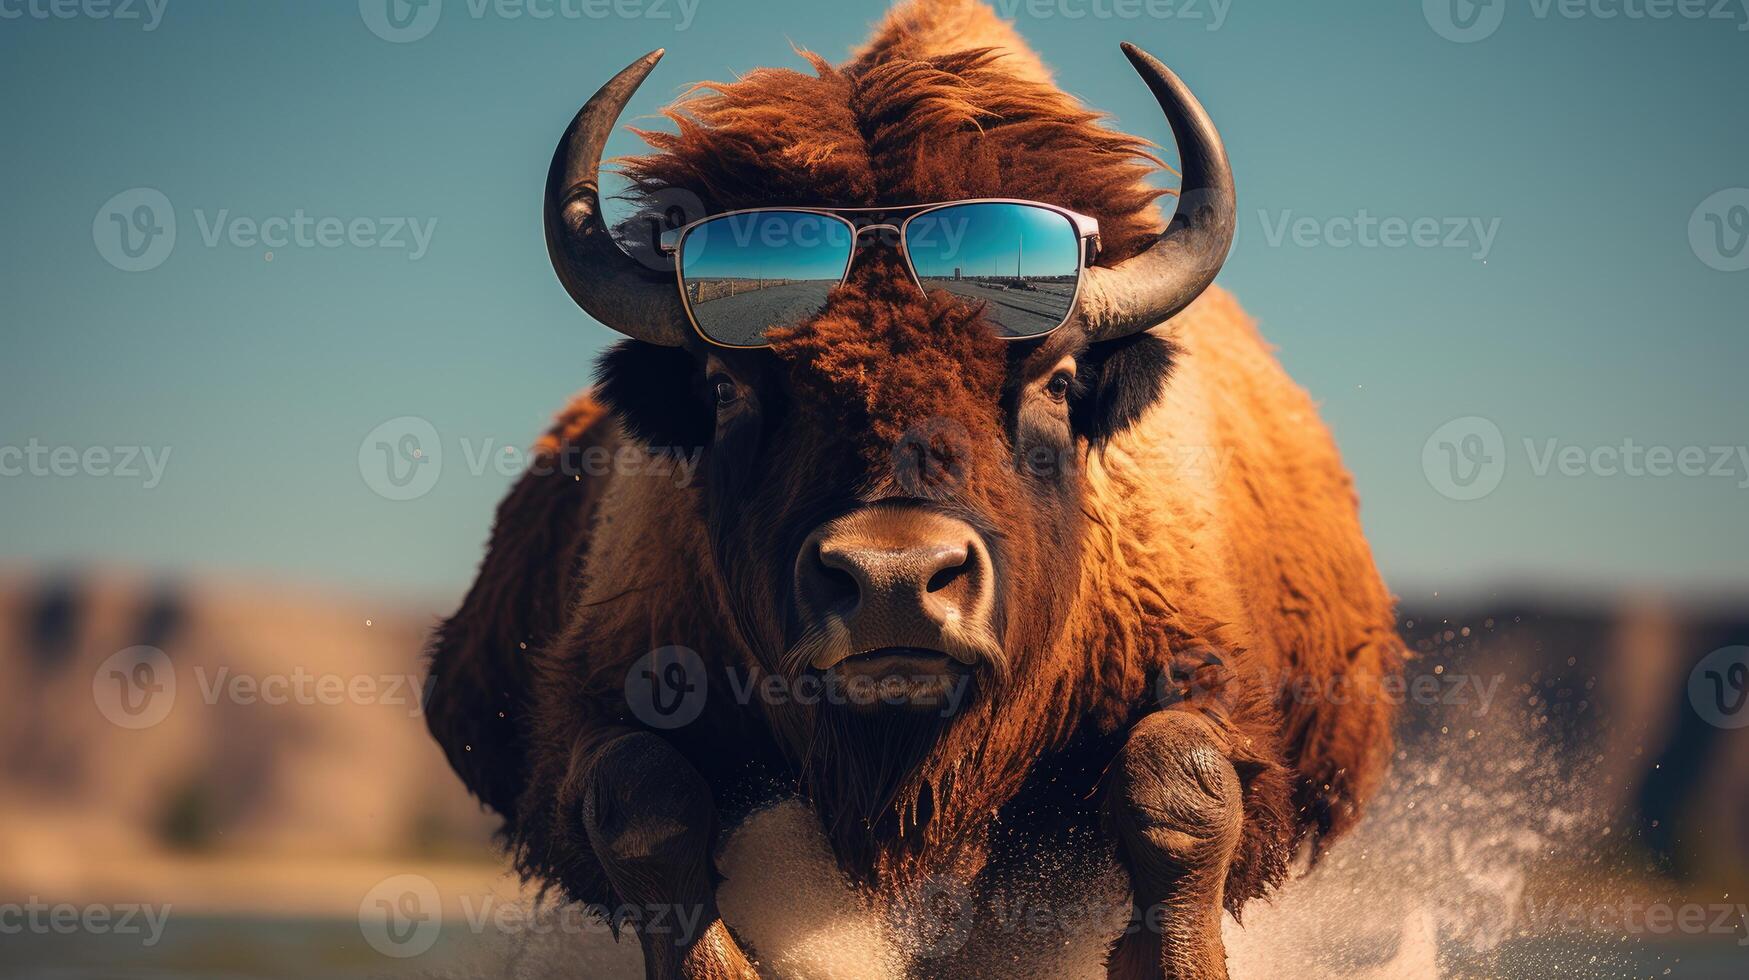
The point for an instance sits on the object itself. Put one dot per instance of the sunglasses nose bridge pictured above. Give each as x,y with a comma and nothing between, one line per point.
889,233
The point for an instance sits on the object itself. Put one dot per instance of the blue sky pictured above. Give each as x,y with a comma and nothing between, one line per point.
1495,250
993,239
788,244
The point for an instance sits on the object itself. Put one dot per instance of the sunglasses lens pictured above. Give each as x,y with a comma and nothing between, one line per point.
747,273
1022,261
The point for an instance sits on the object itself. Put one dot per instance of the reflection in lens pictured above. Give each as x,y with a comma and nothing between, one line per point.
1020,260
747,273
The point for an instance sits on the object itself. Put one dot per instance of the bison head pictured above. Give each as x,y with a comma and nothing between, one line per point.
892,494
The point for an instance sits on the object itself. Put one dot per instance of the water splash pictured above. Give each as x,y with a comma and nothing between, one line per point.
1465,866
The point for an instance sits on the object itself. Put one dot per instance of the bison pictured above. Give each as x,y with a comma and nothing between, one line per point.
1110,577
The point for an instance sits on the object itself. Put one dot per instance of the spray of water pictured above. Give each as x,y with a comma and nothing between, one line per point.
1468,863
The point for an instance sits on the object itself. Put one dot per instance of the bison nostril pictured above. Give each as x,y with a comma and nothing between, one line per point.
948,576
838,587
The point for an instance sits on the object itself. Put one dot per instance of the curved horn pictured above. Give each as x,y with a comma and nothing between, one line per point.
607,283
1147,289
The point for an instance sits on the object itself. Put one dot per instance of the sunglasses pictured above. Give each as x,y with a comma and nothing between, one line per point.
745,273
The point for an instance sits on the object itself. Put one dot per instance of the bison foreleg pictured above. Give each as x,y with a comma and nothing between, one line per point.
1173,801
650,821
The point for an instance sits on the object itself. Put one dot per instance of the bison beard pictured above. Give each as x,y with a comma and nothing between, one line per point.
911,377
1152,637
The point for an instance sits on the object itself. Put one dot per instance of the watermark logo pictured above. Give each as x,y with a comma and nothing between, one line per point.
302,230
1719,687
39,918
400,21
667,689
40,460
135,231
149,13
135,688
302,688
658,222
1465,459
1365,230
1468,21
404,21
1718,230
401,459
1632,917
936,916
1464,21
931,455
400,917
1212,14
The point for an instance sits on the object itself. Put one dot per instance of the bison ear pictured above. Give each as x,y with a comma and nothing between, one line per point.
1121,380
654,392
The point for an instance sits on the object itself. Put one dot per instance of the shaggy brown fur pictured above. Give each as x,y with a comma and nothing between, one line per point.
889,129
1203,554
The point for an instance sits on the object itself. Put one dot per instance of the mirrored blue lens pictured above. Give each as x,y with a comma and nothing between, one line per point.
1022,261
747,273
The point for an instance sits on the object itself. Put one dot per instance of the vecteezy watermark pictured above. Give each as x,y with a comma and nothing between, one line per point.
936,915
1468,21
35,459
148,13
1718,687
405,21
402,916
1435,688
1212,14
1718,230
669,687
136,688
1637,918
39,918
1366,230
932,453
304,688
666,463
402,459
301,230
1466,459
488,913
135,231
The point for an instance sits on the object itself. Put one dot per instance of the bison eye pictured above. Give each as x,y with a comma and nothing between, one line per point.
726,391
1059,385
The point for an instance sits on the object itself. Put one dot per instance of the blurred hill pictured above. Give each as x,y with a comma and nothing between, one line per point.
152,724
1617,691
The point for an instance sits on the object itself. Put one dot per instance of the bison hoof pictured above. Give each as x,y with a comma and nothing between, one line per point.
1176,807
649,819
1175,801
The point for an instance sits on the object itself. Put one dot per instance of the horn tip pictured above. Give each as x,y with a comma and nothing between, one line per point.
1137,56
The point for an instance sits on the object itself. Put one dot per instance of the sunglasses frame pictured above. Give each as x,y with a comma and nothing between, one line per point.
1086,227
